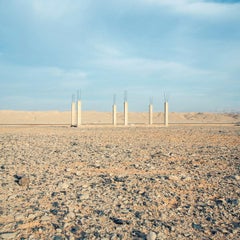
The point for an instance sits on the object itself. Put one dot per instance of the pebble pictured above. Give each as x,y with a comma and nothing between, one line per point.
59,230
9,235
63,185
138,234
84,196
151,236
174,178
45,218
197,226
237,177
19,217
74,229
71,215
117,220
24,181
58,238
187,179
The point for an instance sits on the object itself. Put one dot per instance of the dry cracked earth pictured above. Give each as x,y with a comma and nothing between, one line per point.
180,182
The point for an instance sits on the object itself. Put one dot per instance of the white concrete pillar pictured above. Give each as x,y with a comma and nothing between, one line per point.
79,113
166,114
114,114
150,114
125,113
73,115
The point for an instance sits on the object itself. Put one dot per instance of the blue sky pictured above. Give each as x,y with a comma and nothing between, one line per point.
188,49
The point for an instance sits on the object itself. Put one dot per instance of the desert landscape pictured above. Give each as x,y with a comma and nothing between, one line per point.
103,182
120,120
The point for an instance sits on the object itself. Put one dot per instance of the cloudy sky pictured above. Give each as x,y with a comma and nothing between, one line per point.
189,50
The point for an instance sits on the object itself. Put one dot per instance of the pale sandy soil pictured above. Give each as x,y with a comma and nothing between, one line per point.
92,117
180,182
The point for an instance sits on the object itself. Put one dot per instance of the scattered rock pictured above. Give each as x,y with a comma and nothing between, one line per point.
174,178
71,215
135,188
54,211
138,234
19,217
233,202
151,236
119,179
22,180
237,177
9,235
187,179
99,212
138,214
84,196
63,185
197,227
236,224
58,237
45,218
74,229
117,220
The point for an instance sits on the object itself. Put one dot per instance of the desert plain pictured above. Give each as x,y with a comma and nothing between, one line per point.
103,182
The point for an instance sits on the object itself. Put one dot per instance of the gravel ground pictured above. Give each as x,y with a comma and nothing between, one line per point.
180,182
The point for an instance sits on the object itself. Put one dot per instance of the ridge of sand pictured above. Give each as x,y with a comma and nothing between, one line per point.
93,117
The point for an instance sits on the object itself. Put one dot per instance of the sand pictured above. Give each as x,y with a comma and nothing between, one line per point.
92,117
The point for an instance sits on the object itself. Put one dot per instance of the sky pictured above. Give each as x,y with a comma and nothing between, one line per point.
183,50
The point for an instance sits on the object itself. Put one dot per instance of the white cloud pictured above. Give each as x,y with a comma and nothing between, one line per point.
166,69
205,9
66,74
169,3
107,50
199,8
39,87
70,79
53,9
44,77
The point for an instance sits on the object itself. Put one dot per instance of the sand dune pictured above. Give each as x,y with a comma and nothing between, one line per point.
92,117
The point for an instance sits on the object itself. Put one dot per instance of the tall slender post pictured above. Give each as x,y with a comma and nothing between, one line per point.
125,113
150,114
125,109
114,111
73,112
79,109
151,111
166,113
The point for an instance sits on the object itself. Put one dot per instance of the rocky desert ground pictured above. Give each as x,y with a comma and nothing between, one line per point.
101,182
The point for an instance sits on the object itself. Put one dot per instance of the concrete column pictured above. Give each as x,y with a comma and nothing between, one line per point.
73,116
114,114
125,113
166,114
150,114
79,113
